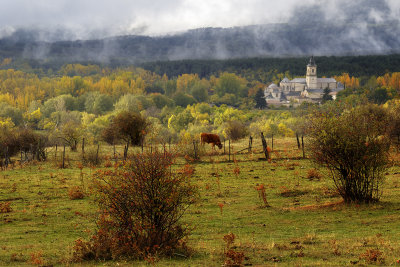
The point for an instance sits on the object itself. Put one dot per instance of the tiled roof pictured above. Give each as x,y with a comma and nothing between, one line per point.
272,85
326,80
298,80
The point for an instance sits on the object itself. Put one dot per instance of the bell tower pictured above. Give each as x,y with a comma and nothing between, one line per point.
311,75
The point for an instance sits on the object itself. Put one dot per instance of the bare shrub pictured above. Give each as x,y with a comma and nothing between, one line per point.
190,148
22,139
235,130
141,203
92,157
354,146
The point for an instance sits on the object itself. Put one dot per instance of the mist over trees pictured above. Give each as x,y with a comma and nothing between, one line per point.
334,28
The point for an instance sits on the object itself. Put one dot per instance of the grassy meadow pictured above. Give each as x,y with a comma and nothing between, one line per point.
305,224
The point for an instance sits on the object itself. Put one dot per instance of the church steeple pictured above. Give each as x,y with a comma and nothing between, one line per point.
312,61
311,74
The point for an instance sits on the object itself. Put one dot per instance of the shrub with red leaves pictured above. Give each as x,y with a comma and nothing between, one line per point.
141,202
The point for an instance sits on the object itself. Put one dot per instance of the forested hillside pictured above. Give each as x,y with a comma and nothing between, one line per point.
327,66
301,38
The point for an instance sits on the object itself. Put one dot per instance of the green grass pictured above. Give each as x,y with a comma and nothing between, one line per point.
297,229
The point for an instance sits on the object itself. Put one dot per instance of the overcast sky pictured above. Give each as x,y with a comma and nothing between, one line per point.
97,18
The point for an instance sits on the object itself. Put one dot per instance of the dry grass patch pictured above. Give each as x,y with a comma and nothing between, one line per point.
5,207
75,192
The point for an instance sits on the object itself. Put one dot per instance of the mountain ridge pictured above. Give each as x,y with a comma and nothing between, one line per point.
265,40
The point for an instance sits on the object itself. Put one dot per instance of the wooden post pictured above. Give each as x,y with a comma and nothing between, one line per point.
142,144
21,155
302,145
83,146
298,141
195,150
265,146
272,142
126,150
250,143
229,143
169,144
224,147
6,158
114,148
63,158
55,154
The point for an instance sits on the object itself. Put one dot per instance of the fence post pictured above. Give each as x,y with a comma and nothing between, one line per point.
195,150
298,141
229,148
302,145
250,143
224,147
63,158
126,150
83,146
6,157
265,146
272,142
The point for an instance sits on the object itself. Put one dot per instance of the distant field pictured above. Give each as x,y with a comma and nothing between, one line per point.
306,223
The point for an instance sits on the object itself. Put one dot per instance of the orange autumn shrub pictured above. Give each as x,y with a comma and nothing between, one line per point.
141,203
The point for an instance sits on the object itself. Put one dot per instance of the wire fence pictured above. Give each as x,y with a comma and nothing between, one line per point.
62,155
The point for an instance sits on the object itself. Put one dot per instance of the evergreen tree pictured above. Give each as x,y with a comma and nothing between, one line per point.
260,100
326,96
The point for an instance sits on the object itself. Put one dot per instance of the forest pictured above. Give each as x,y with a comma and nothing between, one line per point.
87,97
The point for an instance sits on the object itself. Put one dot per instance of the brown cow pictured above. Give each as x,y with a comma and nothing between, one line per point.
212,139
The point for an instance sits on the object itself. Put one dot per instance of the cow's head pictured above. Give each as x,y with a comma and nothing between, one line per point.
219,145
